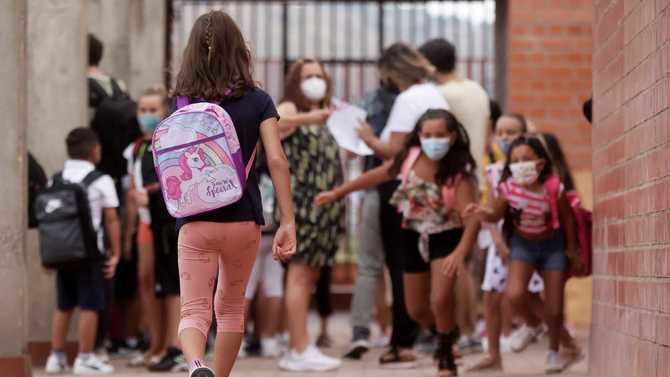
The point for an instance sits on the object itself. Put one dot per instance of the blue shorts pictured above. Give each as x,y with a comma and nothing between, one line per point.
544,255
82,287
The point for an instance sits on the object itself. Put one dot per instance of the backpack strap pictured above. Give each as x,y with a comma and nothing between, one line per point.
116,89
182,101
409,162
92,177
552,186
57,179
251,160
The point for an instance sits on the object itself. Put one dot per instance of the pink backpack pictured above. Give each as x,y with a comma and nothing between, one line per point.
583,221
448,192
198,159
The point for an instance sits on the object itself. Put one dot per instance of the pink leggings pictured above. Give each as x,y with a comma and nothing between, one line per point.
204,248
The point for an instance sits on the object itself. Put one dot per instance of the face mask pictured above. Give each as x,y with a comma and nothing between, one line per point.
524,173
314,88
504,146
148,122
389,86
435,148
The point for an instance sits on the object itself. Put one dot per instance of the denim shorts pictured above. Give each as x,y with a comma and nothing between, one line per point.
544,255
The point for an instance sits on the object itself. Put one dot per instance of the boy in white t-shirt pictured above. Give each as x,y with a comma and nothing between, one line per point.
84,287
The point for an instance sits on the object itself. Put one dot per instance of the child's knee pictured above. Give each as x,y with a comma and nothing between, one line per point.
229,313
196,313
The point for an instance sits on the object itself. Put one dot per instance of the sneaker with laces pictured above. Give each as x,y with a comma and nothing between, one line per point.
91,364
199,369
524,336
270,347
56,364
310,360
556,363
172,361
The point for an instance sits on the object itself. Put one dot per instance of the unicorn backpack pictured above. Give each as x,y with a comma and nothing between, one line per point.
198,159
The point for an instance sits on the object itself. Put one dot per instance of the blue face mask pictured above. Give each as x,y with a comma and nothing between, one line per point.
435,148
148,122
504,146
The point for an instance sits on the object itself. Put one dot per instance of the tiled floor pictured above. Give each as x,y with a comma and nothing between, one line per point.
529,363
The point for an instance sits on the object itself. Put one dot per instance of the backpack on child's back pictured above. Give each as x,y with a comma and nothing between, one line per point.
63,213
198,159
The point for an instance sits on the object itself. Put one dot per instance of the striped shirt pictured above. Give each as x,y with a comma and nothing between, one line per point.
531,211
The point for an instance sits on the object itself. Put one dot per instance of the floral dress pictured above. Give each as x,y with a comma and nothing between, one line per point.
423,209
314,159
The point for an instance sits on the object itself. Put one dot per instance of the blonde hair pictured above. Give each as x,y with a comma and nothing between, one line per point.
157,90
406,62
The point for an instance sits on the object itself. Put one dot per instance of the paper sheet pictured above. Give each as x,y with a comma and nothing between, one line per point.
343,123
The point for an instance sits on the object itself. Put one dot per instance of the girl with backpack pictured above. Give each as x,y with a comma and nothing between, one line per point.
540,228
216,70
437,185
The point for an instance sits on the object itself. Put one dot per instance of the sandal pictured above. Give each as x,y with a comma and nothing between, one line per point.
396,358
487,364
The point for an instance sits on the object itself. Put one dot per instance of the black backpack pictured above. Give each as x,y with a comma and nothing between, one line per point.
37,181
67,235
115,122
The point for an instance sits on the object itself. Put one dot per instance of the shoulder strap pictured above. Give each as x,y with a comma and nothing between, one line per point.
251,160
552,186
182,101
91,177
57,179
116,89
409,162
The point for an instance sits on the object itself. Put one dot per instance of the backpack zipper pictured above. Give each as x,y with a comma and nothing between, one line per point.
186,145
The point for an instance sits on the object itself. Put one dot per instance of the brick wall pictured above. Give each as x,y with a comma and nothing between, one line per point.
549,54
631,165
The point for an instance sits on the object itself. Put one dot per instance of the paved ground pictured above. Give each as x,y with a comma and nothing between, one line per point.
529,363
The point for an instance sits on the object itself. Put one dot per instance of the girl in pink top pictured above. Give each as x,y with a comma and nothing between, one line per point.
541,234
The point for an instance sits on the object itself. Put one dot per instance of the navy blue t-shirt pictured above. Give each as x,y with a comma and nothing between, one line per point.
247,113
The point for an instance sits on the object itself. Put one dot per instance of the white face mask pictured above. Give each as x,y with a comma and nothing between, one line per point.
524,173
314,88
435,148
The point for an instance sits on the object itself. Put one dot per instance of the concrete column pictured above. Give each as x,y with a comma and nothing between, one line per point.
13,277
57,103
109,21
147,45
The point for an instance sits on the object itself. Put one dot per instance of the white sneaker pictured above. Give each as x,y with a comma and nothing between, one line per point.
524,336
270,347
311,360
102,355
56,364
556,363
92,365
505,344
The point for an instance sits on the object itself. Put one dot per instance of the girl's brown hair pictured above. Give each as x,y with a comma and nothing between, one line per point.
217,61
406,62
293,92
157,90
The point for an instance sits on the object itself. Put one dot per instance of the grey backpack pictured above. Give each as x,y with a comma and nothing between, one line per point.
67,235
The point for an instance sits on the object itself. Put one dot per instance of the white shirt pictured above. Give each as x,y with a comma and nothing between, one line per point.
135,173
410,105
101,193
469,103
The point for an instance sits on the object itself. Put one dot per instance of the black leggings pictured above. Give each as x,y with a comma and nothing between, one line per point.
405,330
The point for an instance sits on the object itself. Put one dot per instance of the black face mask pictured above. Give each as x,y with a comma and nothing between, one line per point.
389,86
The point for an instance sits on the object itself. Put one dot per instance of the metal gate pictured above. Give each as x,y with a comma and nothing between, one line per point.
347,36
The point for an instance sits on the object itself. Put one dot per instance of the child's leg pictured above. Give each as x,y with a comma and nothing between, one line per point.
88,328
518,278
236,260
198,264
59,328
442,298
417,297
493,315
554,290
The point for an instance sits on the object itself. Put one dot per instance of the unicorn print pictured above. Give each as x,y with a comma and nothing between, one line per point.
195,170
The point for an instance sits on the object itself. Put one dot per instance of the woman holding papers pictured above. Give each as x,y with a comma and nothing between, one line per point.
314,158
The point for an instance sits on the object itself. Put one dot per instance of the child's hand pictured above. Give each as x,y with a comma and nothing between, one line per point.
110,267
284,244
473,209
575,261
452,264
503,252
141,197
365,132
325,198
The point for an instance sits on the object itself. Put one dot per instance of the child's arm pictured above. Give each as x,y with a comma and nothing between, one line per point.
130,221
371,178
113,229
568,222
465,196
492,214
